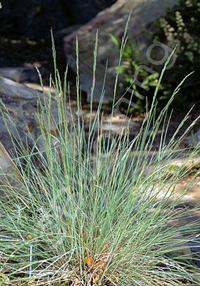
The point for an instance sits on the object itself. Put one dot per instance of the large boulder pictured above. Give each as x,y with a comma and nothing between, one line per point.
19,107
9,173
20,74
111,20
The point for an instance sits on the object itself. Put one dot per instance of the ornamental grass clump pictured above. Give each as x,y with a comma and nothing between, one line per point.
96,216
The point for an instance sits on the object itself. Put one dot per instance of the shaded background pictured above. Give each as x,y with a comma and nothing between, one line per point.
35,18
25,32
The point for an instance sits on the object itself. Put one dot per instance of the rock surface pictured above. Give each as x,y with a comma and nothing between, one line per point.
194,244
9,173
194,140
19,104
111,20
20,74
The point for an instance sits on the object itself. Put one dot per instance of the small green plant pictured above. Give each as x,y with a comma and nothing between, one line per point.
98,217
131,62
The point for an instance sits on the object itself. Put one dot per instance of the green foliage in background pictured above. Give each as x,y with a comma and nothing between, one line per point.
179,30
131,62
181,27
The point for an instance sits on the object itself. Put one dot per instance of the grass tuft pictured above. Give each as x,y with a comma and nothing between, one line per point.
96,211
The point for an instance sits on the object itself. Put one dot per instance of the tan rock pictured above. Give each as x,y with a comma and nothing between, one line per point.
20,74
19,111
112,20
9,173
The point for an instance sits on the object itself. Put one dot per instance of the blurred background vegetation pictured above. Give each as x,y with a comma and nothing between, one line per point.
179,30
